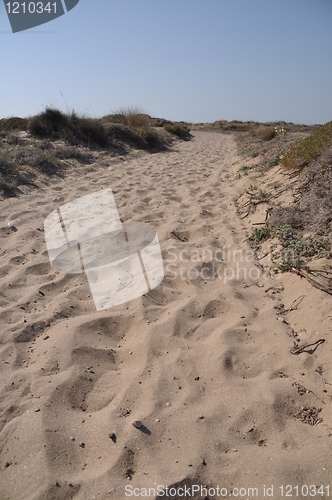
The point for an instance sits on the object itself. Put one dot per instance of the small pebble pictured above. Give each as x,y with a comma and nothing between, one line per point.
137,423
82,445
157,420
72,438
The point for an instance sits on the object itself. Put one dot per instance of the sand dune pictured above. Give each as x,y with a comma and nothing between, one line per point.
203,360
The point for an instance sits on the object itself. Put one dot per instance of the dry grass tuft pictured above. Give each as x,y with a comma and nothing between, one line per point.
132,116
136,127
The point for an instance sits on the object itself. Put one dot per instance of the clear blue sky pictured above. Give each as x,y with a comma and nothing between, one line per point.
193,60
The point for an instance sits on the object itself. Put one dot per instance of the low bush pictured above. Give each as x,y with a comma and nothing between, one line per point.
294,247
261,234
178,130
91,130
128,126
53,123
267,133
11,177
135,126
306,150
119,131
71,152
13,139
14,123
151,139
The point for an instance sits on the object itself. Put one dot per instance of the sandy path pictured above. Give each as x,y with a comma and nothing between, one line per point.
201,360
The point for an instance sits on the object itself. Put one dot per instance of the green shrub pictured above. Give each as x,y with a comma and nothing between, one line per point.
177,129
287,263
294,248
273,162
244,170
260,234
121,132
150,138
306,150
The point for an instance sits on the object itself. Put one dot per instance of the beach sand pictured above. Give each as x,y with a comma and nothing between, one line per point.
204,360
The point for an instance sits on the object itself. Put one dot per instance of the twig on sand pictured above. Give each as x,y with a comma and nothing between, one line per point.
178,236
306,274
301,349
275,288
264,255
262,201
294,305
320,271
